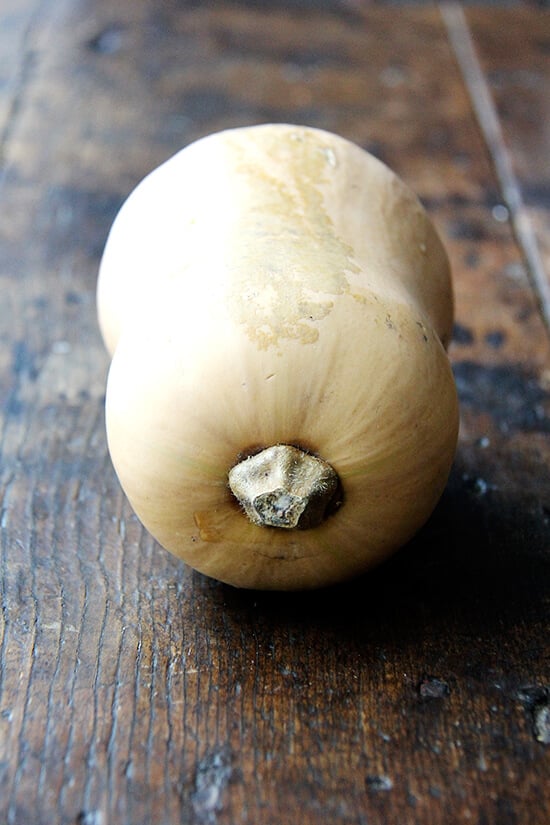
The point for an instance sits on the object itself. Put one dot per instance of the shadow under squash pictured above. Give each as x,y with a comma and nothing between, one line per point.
480,563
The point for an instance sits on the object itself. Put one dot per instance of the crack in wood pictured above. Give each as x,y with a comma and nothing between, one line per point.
489,123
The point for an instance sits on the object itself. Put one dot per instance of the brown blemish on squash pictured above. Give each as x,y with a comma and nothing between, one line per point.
206,531
423,330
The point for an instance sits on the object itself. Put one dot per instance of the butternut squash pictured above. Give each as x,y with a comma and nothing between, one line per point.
281,411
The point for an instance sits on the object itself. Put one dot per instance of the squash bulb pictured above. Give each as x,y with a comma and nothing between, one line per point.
281,410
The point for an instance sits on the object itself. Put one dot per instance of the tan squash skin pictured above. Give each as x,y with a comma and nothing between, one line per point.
277,285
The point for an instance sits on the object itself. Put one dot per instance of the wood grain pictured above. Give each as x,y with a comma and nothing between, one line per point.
134,691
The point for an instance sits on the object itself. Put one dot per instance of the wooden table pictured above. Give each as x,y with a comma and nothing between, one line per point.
133,691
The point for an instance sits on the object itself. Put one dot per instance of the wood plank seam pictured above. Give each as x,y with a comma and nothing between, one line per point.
20,80
462,43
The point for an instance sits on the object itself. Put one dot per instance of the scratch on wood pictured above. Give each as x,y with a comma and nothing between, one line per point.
536,701
212,776
489,123
20,79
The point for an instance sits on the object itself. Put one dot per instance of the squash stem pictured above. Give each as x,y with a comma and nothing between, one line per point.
283,486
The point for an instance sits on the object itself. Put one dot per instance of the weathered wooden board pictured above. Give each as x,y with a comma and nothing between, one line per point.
513,52
134,691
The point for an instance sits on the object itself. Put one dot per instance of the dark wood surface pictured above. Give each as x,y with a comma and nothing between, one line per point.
133,691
